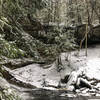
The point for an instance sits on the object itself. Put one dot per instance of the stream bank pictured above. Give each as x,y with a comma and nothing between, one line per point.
47,78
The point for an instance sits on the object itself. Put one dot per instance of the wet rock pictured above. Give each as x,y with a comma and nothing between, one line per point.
65,80
84,83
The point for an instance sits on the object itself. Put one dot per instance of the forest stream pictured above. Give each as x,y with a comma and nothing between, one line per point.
39,50
46,79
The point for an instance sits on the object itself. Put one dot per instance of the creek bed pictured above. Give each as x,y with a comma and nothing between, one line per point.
36,75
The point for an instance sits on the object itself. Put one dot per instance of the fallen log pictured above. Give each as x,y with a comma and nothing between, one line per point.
18,63
11,79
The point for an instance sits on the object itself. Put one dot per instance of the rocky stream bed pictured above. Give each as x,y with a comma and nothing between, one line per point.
73,76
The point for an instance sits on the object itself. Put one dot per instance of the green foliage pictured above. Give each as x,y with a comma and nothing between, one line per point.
55,43
16,41
16,9
10,50
4,23
27,44
66,41
8,94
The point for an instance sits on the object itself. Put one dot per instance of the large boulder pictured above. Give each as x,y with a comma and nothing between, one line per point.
93,33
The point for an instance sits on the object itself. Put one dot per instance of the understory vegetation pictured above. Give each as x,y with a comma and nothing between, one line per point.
42,29
39,29
26,37
17,41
